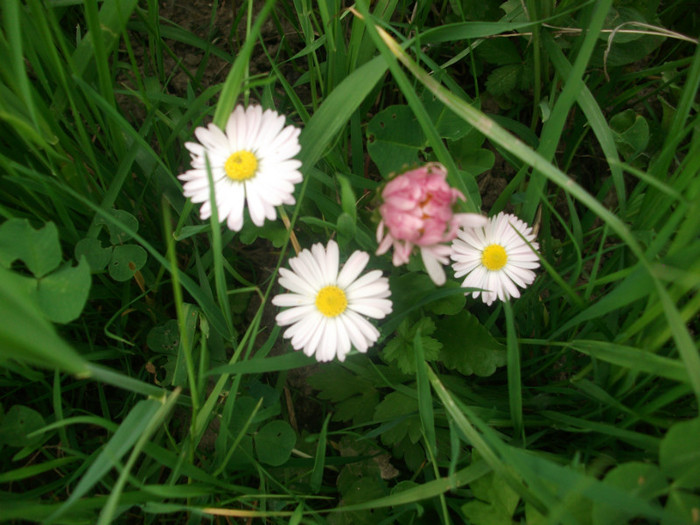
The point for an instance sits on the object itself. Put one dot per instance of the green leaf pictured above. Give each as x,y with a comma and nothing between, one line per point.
242,411
684,505
364,467
499,51
425,400
347,197
468,347
126,261
62,294
190,315
504,79
116,234
634,358
38,249
188,231
274,443
477,162
400,413
357,408
261,365
359,482
337,108
412,290
96,255
316,480
401,348
627,47
31,471
364,489
346,229
643,480
495,503
25,333
679,454
164,338
447,123
450,304
352,395
238,72
274,232
17,424
336,383
394,139
630,132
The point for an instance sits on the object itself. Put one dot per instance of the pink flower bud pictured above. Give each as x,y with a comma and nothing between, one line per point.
417,211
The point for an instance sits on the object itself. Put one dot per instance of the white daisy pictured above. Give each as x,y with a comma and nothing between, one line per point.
328,308
495,258
251,161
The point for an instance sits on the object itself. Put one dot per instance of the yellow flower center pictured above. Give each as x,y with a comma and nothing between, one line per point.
241,166
331,301
494,257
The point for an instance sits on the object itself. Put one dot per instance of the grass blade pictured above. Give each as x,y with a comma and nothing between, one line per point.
515,389
126,435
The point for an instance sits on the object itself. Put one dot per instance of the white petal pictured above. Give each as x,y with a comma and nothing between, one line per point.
352,268
293,315
294,283
329,343
378,288
271,124
248,128
255,207
357,338
212,138
369,332
331,262
471,220
291,299
306,266
344,345
232,126
235,216
369,309
366,279
434,267
311,347
301,328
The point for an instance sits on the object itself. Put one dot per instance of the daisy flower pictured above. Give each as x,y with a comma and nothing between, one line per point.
328,309
251,162
495,258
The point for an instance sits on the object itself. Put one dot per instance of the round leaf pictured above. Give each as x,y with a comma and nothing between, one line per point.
39,249
274,443
630,132
164,338
126,260
62,294
679,454
643,480
447,123
97,256
116,234
681,504
394,139
25,333
18,423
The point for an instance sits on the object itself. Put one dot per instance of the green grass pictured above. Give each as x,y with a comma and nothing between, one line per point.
163,392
